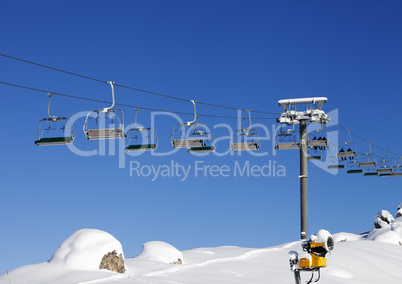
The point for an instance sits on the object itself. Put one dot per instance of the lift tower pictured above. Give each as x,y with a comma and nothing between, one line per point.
301,112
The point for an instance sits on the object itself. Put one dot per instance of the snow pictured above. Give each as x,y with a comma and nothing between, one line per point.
85,249
384,214
346,237
381,223
321,236
391,234
160,252
293,255
357,261
370,258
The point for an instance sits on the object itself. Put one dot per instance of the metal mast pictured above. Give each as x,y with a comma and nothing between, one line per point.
301,112
303,181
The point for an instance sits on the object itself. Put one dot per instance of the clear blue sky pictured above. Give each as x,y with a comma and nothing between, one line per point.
245,54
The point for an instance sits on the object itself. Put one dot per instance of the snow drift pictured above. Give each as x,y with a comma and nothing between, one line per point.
160,252
85,249
389,233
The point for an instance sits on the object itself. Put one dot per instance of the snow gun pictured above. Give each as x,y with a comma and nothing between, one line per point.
316,249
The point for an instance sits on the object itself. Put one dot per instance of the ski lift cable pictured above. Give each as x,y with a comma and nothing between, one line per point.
52,68
123,86
124,105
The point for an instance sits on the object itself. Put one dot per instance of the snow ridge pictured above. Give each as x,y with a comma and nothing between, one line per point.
246,255
105,280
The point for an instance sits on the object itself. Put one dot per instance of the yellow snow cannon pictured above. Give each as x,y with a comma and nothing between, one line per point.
316,249
318,246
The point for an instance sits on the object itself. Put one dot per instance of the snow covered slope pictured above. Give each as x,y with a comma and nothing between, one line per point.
360,261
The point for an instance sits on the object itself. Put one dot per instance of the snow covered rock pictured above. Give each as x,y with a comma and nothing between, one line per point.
383,219
86,250
399,211
160,252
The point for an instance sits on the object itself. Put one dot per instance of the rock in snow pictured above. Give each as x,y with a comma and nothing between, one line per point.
113,262
85,249
399,211
160,252
383,219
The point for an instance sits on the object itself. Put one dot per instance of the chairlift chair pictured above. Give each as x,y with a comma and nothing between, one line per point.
245,139
193,135
348,153
315,145
384,167
200,132
345,151
397,168
287,140
370,171
314,153
108,130
338,160
317,142
352,167
55,130
140,138
334,162
367,160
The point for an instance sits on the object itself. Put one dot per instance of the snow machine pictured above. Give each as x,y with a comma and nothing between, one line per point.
316,249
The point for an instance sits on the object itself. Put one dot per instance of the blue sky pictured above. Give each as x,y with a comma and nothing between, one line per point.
243,54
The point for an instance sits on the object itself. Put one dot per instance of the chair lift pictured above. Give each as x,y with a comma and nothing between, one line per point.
369,163
287,140
323,143
352,167
193,135
315,146
142,139
397,169
344,154
200,130
334,162
314,153
349,153
55,126
245,139
384,167
105,131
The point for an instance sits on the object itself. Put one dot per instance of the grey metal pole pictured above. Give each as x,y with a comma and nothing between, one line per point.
297,277
303,181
